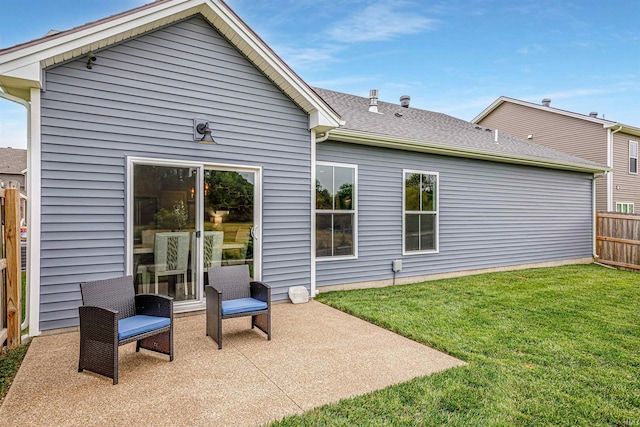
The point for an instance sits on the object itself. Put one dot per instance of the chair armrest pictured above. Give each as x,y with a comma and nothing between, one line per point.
154,305
214,299
98,323
260,291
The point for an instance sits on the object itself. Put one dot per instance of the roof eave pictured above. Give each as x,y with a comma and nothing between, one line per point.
495,104
605,123
20,67
631,130
385,141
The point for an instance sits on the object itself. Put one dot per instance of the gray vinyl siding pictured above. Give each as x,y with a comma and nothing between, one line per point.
626,186
491,214
140,99
563,133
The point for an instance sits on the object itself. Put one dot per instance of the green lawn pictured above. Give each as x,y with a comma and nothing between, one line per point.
545,347
10,361
9,364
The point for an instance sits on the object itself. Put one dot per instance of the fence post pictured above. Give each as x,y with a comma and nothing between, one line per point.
14,275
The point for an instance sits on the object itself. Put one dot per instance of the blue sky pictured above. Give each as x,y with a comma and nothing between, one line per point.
450,56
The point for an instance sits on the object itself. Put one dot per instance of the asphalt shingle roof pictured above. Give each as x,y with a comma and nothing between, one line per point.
431,127
12,160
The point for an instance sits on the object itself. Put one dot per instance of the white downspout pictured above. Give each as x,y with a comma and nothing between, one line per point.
315,140
323,138
610,165
594,230
26,105
34,186
313,212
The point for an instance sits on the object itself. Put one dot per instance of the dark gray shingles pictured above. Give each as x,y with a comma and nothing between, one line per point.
431,127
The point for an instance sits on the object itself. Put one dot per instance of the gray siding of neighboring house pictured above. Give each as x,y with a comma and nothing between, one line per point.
626,186
568,134
140,99
6,177
491,214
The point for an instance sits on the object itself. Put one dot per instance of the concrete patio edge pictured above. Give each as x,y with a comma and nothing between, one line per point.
317,355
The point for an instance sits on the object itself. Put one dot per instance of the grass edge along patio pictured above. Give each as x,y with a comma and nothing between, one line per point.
554,346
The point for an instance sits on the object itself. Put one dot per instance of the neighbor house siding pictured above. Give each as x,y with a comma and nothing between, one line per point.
491,214
140,99
628,183
568,134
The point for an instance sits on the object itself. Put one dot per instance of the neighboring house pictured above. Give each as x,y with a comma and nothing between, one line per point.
13,167
308,186
588,136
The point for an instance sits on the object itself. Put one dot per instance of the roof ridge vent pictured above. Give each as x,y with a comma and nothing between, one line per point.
373,101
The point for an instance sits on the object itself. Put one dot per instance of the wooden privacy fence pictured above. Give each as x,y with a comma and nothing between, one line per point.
618,240
10,274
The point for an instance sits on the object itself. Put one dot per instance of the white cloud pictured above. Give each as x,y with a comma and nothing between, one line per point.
571,93
342,82
534,48
382,20
302,57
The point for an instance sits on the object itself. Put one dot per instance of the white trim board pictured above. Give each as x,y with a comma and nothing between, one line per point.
21,66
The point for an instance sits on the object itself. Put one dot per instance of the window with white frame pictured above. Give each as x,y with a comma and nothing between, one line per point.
624,207
420,206
633,157
336,209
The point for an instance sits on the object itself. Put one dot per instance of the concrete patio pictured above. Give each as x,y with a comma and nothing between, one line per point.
317,355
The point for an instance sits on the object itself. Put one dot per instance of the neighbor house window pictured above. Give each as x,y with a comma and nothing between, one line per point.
624,207
420,211
335,210
633,157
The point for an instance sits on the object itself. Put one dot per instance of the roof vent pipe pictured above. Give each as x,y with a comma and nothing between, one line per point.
373,100
546,102
405,100
593,114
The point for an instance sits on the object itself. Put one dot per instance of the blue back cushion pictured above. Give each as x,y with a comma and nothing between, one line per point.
242,305
140,324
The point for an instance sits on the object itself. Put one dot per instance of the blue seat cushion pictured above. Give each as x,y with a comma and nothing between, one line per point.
139,324
242,305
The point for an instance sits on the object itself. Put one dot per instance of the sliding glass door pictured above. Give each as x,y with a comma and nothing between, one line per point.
230,217
164,226
185,219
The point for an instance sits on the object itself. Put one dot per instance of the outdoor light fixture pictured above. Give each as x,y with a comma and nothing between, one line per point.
201,127
90,58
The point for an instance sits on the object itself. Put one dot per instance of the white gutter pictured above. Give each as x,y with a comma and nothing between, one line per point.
26,105
323,138
365,138
610,165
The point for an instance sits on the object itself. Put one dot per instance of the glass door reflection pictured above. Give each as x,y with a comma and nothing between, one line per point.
164,227
229,220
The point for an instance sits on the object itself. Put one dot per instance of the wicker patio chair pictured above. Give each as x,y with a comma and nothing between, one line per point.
112,315
231,293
